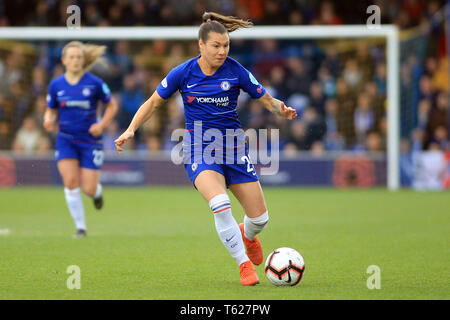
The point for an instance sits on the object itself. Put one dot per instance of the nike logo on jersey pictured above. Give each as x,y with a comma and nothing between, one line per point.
190,85
60,93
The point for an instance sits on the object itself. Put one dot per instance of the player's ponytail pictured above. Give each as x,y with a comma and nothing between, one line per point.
214,22
91,52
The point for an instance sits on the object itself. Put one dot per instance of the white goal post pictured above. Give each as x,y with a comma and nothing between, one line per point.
389,32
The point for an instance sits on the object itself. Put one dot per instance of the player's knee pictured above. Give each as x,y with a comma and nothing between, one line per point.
260,220
71,183
89,190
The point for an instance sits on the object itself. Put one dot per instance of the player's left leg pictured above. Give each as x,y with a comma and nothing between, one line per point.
212,186
91,162
90,184
251,198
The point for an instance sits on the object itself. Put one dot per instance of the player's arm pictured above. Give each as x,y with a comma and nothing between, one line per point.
49,119
144,113
110,111
277,107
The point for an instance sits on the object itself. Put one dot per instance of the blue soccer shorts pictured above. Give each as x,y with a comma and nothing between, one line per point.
233,173
89,154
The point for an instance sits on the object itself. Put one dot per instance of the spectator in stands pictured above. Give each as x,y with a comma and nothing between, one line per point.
131,97
290,150
298,135
346,108
151,144
380,78
5,135
39,81
423,113
327,15
39,107
438,115
298,79
28,137
327,81
318,149
440,136
257,117
378,102
364,118
373,142
315,126
111,133
425,89
352,74
278,82
430,168
440,78
12,71
317,98
333,138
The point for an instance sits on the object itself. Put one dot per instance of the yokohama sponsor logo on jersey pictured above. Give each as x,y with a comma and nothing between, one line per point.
221,101
84,104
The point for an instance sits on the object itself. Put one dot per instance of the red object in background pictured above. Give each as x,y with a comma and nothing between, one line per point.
354,171
414,8
254,8
447,172
7,172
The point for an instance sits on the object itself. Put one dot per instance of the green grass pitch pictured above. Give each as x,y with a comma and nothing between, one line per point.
160,243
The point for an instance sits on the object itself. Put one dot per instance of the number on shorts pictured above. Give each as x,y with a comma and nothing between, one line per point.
249,164
98,157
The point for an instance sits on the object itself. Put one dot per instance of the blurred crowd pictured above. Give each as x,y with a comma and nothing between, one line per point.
337,87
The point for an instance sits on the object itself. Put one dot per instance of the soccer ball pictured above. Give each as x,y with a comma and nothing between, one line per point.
284,267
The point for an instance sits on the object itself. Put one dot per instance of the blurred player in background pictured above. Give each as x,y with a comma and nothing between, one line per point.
73,97
210,85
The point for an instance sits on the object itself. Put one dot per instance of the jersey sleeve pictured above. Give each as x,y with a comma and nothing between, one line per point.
171,83
52,103
249,83
104,93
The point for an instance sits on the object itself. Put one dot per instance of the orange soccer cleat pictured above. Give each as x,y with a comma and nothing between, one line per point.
253,248
248,274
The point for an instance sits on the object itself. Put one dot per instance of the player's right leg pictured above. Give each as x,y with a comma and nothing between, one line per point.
211,185
69,167
250,196
69,170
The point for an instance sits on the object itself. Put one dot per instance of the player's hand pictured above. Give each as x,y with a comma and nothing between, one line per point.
96,130
49,125
124,137
288,112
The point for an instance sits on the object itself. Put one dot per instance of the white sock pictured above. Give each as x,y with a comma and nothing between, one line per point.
98,192
227,227
253,226
75,204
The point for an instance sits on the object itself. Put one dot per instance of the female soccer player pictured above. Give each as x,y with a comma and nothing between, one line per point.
210,85
74,96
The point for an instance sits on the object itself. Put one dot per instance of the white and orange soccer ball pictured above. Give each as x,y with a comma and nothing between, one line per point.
284,267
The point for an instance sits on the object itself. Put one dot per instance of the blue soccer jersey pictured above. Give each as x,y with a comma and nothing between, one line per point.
77,108
212,124
77,104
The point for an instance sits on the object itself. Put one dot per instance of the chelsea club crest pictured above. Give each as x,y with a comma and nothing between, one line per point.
225,85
